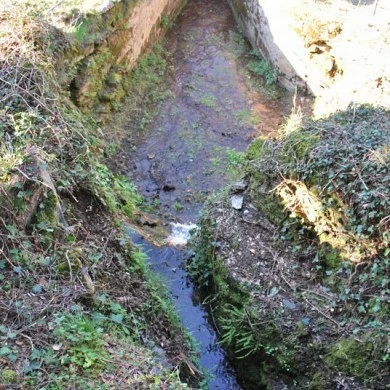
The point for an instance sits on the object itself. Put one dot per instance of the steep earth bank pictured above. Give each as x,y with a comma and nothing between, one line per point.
297,256
294,258
79,308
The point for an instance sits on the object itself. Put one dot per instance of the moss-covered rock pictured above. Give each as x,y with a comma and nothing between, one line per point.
91,78
361,357
8,377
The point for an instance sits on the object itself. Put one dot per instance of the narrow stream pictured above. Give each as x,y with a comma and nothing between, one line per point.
192,149
168,262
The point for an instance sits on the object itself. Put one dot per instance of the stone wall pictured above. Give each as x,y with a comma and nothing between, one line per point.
144,25
333,49
115,38
266,24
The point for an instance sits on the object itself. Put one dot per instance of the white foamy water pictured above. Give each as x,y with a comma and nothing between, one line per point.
180,234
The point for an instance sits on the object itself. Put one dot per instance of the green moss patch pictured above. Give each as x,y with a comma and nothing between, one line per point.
364,357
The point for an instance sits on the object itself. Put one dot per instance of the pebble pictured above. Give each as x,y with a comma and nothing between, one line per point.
237,201
238,187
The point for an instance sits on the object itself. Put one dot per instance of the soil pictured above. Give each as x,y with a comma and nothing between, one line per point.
285,292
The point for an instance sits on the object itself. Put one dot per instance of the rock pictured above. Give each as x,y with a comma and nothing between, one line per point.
289,304
147,220
169,186
237,201
238,187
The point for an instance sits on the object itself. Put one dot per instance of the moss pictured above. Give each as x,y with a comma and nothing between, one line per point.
112,95
318,382
271,207
92,77
96,26
330,256
8,377
72,262
48,211
297,146
261,182
255,149
81,32
114,78
266,202
361,358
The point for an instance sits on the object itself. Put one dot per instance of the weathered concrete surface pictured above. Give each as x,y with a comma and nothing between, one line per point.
125,30
265,22
144,25
334,50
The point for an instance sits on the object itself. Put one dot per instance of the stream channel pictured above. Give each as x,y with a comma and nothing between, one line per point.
193,147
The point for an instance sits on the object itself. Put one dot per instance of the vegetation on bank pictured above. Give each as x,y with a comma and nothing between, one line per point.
318,314
78,307
332,176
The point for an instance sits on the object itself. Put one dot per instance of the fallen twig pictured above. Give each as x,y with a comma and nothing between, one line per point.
322,313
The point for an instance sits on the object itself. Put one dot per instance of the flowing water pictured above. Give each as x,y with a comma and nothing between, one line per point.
168,262
193,148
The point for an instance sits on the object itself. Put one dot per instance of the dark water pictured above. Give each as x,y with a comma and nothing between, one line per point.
212,115
168,262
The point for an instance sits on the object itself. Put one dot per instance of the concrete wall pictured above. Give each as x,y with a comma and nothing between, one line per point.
333,50
117,36
266,24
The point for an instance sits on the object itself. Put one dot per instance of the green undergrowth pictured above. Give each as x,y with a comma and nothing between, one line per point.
324,184
332,177
79,307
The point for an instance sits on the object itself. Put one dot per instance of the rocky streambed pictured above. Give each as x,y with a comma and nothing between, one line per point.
194,146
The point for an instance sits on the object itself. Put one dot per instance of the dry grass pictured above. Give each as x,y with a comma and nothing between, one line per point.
66,15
